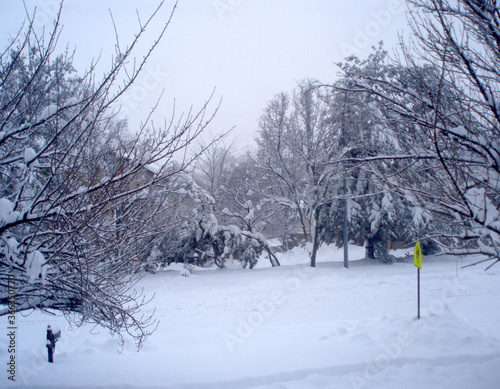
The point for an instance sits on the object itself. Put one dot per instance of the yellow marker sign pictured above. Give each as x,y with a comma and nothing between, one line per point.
417,256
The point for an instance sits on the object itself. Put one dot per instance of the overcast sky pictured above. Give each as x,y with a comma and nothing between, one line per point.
248,50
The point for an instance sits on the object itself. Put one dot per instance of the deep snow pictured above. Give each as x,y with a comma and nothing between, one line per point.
288,327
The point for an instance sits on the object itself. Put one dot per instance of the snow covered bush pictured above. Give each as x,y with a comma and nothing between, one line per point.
205,242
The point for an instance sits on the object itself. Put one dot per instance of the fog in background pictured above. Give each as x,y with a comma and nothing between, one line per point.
247,50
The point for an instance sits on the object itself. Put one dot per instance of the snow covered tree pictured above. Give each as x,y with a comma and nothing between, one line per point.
213,167
243,201
207,235
376,212
243,214
297,140
443,108
83,198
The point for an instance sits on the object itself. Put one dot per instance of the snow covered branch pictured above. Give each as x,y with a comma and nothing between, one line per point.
83,199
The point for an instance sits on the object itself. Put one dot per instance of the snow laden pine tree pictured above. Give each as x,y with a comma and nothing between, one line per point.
441,102
377,213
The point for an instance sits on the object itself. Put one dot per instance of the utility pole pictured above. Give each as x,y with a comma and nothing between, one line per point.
345,237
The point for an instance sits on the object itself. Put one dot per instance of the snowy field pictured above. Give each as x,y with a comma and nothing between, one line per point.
288,327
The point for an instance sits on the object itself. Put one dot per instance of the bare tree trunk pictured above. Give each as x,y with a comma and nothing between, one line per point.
316,232
303,224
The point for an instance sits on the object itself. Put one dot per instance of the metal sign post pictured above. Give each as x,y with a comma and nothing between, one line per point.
417,261
418,293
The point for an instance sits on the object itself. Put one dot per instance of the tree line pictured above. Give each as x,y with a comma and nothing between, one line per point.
410,144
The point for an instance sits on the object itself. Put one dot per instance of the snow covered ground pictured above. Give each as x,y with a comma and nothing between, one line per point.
288,327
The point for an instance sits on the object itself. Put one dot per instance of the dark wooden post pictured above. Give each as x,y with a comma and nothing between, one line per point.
51,344
52,338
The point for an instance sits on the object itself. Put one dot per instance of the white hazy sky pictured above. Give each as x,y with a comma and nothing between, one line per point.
248,50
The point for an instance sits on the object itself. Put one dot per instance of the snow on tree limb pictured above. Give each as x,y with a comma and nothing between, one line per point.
82,201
